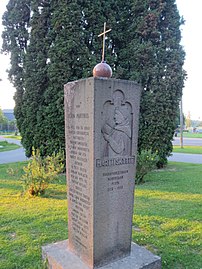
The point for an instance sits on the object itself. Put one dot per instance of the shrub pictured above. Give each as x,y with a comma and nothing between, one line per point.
146,162
12,172
39,172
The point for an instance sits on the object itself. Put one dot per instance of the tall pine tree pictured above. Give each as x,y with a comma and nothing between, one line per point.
144,45
36,79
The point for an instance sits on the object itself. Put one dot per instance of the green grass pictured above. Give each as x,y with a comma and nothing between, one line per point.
191,135
18,137
5,146
188,149
28,223
166,217
168,214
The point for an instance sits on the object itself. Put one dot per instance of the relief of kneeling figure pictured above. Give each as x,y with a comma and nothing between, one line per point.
118,137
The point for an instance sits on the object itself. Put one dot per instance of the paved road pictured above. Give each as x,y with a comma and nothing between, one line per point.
17,155
188,141
186,158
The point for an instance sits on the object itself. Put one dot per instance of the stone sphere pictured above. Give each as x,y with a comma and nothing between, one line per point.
102,70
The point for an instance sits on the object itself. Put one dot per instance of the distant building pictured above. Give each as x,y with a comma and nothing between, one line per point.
9,114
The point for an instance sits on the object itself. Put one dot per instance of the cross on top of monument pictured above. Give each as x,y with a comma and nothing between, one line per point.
103,69
103,44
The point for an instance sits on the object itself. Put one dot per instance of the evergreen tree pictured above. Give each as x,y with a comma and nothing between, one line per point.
36,80
74,51
157,63
144,45
16,21
64,55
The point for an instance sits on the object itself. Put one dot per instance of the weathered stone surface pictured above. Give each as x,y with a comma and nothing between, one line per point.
101,138
101,119
59,257
79,113
101,130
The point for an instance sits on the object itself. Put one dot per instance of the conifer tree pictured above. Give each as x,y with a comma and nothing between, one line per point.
36,80
157,60
65,56
75,49
144,45
16,21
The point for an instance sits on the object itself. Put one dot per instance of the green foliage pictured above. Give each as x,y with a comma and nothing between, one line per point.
146,162
33,129
58,42
39,172
3,119
16,21
157,62
7,126
5,146
12,171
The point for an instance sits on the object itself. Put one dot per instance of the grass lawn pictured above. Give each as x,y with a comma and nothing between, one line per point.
191,135
5,146
188,149
166,217
18,137
28,223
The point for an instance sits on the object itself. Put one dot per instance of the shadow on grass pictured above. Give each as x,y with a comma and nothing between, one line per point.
11,185
55,194
176,240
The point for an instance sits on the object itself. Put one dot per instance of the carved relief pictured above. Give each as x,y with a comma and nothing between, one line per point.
69,94
116,129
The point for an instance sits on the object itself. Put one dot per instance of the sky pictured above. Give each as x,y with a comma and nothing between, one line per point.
191,41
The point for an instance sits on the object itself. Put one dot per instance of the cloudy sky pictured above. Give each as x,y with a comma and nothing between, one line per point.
192,42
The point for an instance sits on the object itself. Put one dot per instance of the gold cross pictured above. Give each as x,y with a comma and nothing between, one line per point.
103,45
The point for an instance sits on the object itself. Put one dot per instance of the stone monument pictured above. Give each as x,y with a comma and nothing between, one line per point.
101,130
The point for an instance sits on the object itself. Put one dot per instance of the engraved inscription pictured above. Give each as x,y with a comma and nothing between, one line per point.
116,180
78,181
115,161
101,126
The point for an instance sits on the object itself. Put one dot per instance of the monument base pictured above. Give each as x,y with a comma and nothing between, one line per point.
58,256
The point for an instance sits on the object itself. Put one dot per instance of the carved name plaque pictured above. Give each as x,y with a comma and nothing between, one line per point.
101,125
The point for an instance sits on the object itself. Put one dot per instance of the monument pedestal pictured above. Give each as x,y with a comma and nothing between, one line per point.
101,131
59,257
